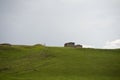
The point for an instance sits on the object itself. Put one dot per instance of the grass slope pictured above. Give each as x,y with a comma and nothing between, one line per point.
55,63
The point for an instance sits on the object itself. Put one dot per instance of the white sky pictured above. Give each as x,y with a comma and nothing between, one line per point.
54,22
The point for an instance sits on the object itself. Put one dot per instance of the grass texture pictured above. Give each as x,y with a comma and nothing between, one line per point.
58,63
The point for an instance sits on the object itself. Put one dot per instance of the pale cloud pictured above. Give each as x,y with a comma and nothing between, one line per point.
112,44
88,46
71,1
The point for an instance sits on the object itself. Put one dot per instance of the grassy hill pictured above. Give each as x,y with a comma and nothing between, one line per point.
58,63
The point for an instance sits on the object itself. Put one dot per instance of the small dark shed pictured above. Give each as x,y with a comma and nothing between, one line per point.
69,44
72,44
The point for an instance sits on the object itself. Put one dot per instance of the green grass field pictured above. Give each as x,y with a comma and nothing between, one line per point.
58,63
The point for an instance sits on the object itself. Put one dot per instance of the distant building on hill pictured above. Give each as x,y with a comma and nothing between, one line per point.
78,46
69,44
72,44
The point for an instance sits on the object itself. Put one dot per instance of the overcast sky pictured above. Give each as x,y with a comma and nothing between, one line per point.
53,22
